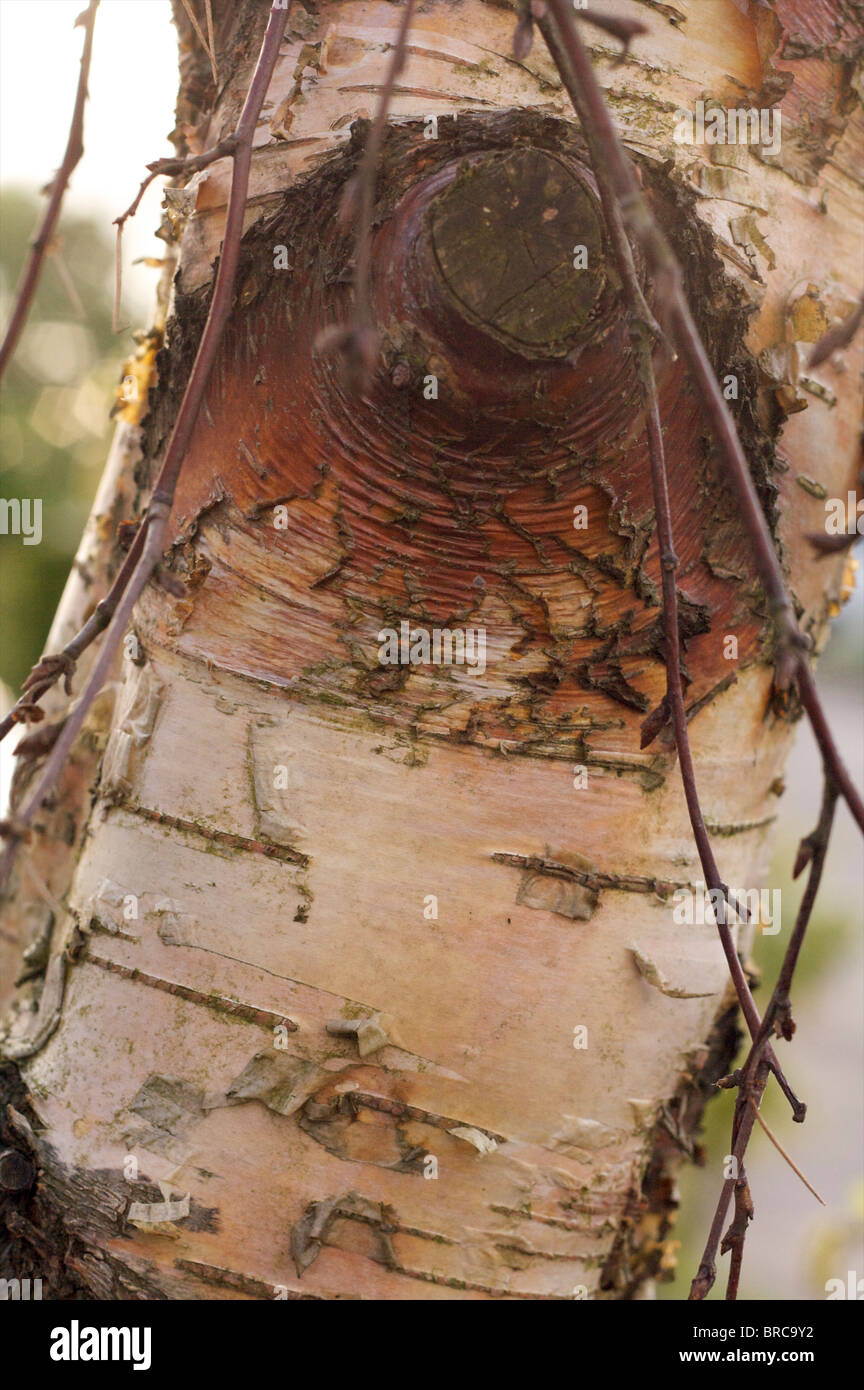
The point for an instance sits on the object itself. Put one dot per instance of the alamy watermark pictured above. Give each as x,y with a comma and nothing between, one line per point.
761,907
851,1287
438,646
736,125
77,1343
844,518
21,516
20,1290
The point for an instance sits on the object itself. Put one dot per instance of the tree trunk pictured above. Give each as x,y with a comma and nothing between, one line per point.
348,978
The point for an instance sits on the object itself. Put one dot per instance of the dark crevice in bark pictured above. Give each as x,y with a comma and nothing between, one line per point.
34,1243
642,1250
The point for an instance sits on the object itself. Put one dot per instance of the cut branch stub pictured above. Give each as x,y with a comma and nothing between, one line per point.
495,465
505,236
495,266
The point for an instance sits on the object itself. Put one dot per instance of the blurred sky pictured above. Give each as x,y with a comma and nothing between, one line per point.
133,84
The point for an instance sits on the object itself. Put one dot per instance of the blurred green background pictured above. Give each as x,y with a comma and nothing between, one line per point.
54,422
59,389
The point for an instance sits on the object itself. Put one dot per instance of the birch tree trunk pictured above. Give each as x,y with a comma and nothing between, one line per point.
352,980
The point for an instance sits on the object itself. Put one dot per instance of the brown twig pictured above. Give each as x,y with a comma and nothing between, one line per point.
707,1271
621,247
792,643
618,185
625,30
47,671
152,529
645,325
734,1238
42,241
358,340
161,168
752,1076
780,1149
675,697
211,41
834,764
667,270
62,664
208,49
675,703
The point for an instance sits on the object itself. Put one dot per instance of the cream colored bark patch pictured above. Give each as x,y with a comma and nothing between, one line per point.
280,786
157,1218
578,1133
654,975
280,1081
483,1143
368,1031
134,722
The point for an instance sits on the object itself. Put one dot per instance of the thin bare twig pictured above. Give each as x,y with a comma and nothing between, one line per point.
158,168
621,247
792,643
625,30
780,1149
665,266
152,529
830,752
42,241
707,1271
645,325
211,41
675,702
61,665
118,280
193,20
50,669
675,695
65,278
358,340
619,190
752,1076
734,1239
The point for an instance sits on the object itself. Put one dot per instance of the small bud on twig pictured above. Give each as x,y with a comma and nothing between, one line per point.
523,37
624,29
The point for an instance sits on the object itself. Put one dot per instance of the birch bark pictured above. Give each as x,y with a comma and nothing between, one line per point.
348,980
